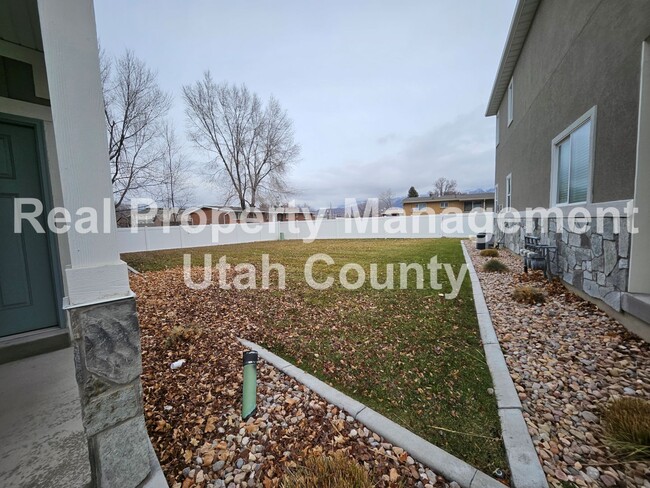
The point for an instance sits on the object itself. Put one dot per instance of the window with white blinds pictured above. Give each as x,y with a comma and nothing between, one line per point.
572,161
511,101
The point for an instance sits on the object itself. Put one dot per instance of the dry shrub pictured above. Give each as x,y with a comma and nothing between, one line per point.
627,427
492,253
494,266
528,294
182,333
335,471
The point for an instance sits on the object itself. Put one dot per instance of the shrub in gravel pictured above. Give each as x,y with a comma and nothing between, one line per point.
528,294
182,333
494,266
492,253
627,427
335,471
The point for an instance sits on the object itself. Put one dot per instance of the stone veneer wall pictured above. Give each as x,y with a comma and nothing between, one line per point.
594,262
108,364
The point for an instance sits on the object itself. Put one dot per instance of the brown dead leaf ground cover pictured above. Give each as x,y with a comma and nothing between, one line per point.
410,354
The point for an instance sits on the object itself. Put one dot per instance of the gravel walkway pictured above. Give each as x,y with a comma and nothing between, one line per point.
567,359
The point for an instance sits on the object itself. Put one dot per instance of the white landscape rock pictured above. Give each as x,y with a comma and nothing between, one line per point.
567,359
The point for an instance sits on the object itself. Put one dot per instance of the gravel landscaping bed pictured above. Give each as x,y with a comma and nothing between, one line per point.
193,412
567,359
292,423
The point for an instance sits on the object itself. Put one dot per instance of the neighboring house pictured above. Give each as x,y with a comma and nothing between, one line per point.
458,202
71,410
145,217
572,106
287,213
393,212
220,214
214,214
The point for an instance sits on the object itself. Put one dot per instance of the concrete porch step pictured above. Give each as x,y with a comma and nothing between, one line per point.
637,304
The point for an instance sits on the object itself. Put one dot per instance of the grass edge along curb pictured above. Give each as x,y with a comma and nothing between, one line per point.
438,460
525,468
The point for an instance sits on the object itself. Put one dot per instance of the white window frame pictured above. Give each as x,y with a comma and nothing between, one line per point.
511,101
509,190
496,197
444,204
420,206
555,151
497,128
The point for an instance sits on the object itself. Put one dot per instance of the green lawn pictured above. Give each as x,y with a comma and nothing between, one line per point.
409,353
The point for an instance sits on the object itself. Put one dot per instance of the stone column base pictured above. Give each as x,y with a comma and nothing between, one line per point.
106,340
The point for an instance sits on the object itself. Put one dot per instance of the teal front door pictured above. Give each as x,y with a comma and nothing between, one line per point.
27,293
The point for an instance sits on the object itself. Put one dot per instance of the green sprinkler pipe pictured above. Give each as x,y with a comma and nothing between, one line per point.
249,394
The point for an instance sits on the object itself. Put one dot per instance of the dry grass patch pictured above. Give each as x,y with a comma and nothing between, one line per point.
336,471
528,294
182,333
491,253
495,266
627,427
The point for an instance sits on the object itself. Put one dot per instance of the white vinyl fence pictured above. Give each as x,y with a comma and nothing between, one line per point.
427,226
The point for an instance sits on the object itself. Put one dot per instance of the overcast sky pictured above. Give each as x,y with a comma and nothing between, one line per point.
383,94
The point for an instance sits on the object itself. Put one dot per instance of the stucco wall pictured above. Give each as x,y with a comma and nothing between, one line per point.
579,53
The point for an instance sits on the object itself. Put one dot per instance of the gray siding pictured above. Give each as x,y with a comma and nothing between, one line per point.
579,53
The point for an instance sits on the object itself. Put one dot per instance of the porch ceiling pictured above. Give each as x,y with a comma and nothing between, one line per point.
19,23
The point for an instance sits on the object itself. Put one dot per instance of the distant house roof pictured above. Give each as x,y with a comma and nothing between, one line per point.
456,197
217,207
521,22
288,210
392,212
272,210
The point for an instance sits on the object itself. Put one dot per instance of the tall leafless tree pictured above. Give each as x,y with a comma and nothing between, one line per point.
134,106
386,198
252,145
442,186
175,187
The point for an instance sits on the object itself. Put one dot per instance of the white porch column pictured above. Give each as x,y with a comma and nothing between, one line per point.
103,319
639,280
69,36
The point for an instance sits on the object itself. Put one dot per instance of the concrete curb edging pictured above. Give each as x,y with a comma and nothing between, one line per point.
525,468
440,461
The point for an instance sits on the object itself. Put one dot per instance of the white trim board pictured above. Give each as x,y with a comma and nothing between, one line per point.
639,278
19,108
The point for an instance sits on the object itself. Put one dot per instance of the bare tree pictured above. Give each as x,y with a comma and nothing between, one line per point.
386,198
252,145
364,208
175,187
442,186
134,106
